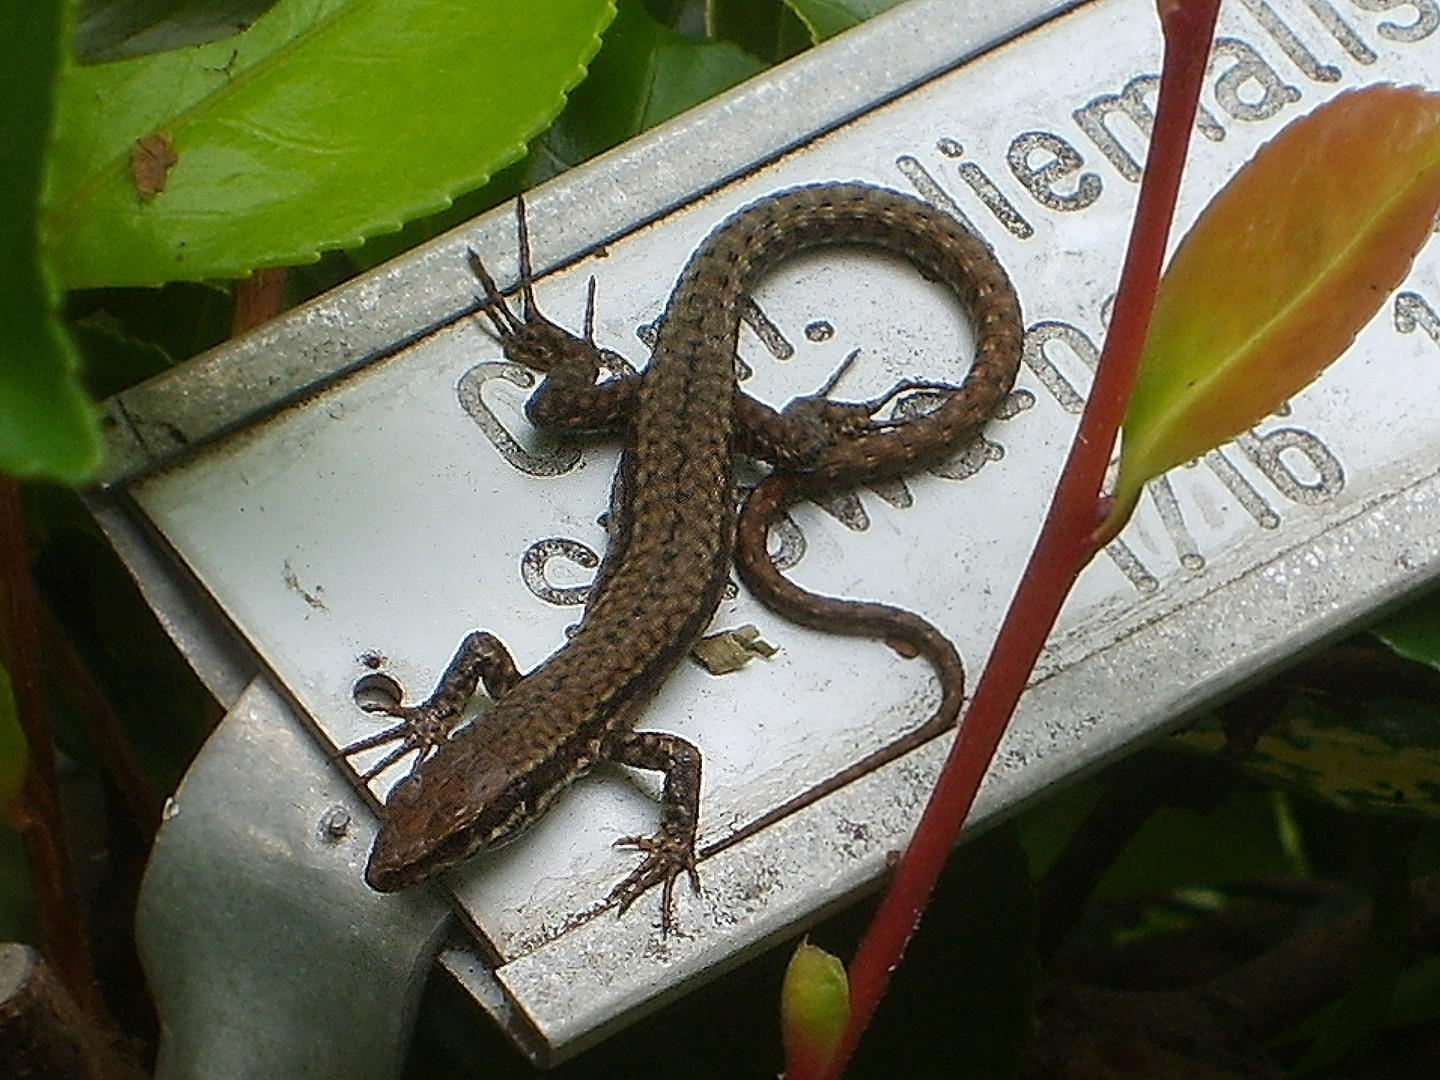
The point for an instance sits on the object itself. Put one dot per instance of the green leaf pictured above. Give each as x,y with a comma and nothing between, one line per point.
1282,270
826,18
121,360
1380,756
181,320
1414,631
326,122
1178,848
117,29
643,75
768,29
47,428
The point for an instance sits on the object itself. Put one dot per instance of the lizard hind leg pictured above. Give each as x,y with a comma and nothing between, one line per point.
845,419
671,851
530,338
811,428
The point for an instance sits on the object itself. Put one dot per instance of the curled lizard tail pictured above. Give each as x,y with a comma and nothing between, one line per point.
904,631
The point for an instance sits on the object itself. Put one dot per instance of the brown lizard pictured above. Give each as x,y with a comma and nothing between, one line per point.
672,530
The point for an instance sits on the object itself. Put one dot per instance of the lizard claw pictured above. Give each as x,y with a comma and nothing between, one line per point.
666,858
419,729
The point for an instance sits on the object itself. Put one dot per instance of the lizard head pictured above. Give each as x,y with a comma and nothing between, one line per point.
439,816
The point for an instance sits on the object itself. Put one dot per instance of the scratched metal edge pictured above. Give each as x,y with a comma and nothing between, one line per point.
1176,671
379,313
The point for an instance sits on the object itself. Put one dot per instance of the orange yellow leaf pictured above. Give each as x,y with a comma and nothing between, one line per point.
1280,273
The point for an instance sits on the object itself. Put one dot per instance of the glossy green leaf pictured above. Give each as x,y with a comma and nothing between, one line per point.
643,75
1239,840
769,29
1282,270
47,428
326,122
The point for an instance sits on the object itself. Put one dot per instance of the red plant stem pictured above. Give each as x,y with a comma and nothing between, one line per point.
258,298
38,814
1065,544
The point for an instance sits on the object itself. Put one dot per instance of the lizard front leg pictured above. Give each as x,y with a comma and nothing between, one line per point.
482,657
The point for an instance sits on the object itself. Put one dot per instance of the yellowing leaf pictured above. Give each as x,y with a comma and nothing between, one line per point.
1282,270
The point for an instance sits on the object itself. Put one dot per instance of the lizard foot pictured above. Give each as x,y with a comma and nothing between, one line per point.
420,729
666,858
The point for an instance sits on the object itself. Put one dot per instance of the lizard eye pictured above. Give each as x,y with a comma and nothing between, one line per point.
454,848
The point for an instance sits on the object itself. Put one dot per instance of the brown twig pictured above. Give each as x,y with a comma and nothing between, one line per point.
39,815
122,764
43,1033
